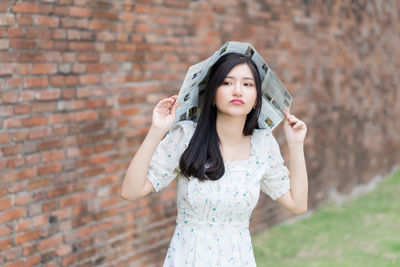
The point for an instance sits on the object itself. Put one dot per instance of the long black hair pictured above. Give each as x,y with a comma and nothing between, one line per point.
202,158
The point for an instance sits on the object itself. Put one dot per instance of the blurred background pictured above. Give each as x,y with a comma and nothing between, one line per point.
79,80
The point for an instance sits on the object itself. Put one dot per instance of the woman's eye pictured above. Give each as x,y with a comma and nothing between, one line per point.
248,84
226,83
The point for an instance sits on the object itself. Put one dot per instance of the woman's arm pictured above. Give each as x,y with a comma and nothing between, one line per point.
296,198
133,185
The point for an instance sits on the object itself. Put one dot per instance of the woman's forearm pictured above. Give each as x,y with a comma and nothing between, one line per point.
135,177
298,176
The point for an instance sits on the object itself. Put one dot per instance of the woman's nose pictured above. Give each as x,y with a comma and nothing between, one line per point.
237,88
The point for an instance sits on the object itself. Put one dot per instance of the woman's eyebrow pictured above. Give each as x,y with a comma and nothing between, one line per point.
244,78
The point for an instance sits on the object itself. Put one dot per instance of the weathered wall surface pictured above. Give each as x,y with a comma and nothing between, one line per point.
79,79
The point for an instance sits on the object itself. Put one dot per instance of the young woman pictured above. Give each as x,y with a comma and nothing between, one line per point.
221,163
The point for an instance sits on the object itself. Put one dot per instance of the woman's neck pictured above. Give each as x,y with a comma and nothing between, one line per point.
230,129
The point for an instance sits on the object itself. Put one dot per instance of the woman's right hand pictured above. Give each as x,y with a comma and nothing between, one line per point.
164,113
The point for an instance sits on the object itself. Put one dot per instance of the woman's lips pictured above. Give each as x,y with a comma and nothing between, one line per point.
237,101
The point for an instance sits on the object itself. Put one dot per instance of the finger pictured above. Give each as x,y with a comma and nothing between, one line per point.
298,124
286,112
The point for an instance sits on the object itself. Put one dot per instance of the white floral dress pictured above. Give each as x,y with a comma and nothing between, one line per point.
213,216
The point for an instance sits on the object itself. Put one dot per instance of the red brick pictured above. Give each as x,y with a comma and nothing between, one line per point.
15,33
12,254
18,136
21,7
81,46
48,94
31,57
6,69
9,97
39,133
48,169
38,183
53,156
4,138
70,80
35,82
59,34
39,107
46,45
25,8
44,68
23,44
4,6
39,33
21,109
13,83
57,80
5,203
63,250
26,95
53,241
80,12
49,144
7,56
34,121
103,14
25,174
22,199
6,244
95,103
32,261
40,220
47,21
68,23
99,68
49,206
88,57
4,44
28,249
7,20
24,225
25,20
25,237
127,16
100,25
56,118
130,111
12,214
12,123
59,191
16,187
89,79
6,230
10,150
23,69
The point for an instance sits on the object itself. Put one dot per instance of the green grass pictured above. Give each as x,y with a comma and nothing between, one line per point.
362,231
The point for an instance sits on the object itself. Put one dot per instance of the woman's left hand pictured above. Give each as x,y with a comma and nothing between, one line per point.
295,129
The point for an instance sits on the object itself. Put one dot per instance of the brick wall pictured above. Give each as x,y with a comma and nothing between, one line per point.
79,79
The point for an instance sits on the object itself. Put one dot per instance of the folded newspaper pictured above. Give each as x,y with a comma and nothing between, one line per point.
275,97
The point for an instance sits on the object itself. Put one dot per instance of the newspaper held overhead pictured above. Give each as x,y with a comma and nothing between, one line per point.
275,97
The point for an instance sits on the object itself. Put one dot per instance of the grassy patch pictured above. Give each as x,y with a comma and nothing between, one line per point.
362,231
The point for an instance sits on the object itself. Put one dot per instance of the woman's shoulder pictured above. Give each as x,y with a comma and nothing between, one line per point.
185,126
262,132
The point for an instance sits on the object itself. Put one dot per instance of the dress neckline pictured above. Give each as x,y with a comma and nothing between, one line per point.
252,152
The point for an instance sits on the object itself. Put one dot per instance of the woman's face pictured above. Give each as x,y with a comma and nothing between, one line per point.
237,94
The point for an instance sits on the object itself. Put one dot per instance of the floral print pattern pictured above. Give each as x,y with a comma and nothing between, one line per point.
213,216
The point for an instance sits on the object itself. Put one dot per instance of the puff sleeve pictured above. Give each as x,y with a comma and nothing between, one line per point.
275,180
164,165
